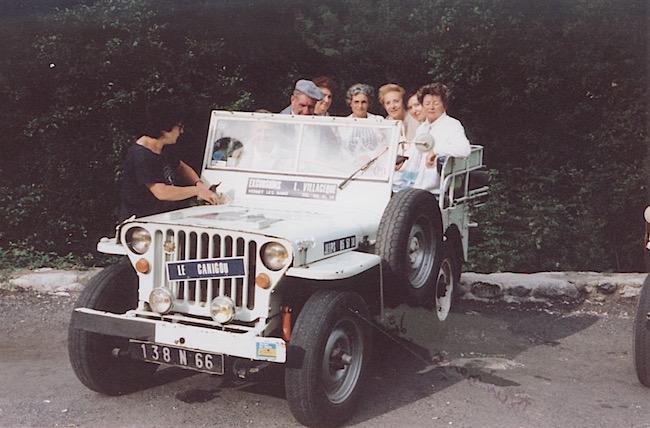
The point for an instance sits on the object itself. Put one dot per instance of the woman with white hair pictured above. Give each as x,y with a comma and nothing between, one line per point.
358,139
358,98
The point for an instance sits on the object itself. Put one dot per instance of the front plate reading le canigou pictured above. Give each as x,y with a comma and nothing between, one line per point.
206,269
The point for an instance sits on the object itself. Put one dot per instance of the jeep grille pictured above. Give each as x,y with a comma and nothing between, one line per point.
194,296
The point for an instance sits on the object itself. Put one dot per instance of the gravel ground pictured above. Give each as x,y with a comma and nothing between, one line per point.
490,365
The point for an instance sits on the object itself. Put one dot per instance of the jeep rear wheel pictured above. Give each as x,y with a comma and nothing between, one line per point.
332,340
95,358
445,288
409,241
642,335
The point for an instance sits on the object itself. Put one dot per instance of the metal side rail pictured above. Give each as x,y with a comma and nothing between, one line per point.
455,178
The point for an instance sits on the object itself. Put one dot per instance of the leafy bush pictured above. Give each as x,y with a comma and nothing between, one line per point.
78,93
556,91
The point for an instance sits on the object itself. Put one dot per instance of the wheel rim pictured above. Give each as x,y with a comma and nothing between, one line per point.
444,289
342,361
420,252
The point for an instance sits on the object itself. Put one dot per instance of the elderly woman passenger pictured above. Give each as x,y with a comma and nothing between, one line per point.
449,137
447,132
391,97
359,140
358,98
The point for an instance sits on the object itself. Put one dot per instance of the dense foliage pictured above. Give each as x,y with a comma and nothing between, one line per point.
556,91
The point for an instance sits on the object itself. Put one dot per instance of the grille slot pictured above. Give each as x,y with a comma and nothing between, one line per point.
197,294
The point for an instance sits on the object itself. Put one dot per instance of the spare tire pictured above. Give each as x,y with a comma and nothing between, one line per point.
409,242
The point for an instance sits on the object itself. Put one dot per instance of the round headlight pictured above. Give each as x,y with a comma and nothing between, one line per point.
222,309
138,240
646,214
160,300
274,255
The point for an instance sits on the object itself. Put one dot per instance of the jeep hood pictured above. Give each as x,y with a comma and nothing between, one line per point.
322,234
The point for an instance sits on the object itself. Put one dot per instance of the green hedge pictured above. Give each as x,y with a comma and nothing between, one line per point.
556,92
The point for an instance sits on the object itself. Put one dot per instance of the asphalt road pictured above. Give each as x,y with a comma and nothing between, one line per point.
487,366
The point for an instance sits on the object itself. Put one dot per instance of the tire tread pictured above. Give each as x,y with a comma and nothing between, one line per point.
392,236
113,289
306,402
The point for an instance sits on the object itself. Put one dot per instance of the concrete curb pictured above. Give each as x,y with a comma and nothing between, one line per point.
549,287
542,287
54,281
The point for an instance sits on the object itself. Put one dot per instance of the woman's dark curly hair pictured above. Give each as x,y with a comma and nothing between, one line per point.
434,89
161,117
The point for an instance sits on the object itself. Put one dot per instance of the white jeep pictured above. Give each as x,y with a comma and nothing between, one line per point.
311,253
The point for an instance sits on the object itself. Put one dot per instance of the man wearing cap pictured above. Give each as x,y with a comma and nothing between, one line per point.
304,98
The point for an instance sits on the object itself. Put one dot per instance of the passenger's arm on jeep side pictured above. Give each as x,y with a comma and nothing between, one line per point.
450,141
454,143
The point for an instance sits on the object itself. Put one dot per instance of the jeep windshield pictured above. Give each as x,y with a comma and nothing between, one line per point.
305,146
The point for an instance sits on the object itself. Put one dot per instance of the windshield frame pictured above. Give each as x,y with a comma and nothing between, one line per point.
389,131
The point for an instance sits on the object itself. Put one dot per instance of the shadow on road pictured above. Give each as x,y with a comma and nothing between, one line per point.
476,344
472,345
468,347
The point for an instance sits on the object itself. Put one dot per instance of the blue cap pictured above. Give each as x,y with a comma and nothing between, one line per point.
309,88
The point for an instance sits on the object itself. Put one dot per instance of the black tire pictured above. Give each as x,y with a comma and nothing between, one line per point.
92,356
446,285
453,248
323,388
642,335
409,241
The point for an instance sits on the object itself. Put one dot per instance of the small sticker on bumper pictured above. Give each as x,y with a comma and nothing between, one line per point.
267,351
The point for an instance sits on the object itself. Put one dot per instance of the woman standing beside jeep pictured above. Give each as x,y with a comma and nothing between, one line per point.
155,180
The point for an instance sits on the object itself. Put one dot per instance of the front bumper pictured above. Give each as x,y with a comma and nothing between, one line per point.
244,345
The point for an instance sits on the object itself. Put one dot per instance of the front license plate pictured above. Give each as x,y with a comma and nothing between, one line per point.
230,267
163,354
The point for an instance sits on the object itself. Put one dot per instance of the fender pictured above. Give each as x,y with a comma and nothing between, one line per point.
341,266
111,246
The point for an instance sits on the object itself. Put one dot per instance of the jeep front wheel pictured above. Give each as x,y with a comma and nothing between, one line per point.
331,348
95,358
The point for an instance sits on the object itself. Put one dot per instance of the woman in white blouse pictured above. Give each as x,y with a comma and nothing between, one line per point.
419,170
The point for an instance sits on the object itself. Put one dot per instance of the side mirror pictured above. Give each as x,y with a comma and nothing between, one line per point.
424,143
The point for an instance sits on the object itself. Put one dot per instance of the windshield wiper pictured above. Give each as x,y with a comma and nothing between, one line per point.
363,168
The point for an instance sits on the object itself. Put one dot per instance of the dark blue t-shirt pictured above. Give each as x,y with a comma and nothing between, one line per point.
142,167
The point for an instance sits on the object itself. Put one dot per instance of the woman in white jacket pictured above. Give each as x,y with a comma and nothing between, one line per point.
419,170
